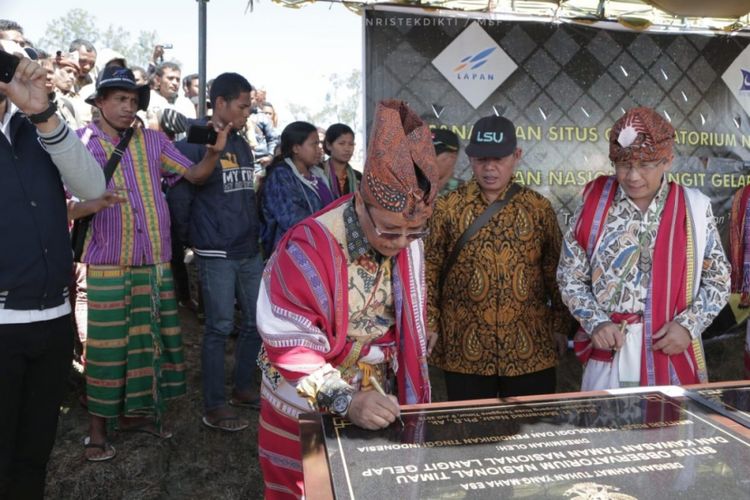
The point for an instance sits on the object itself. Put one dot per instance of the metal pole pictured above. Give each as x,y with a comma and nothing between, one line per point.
202,58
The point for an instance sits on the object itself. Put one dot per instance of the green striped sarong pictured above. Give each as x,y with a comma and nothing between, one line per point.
134,357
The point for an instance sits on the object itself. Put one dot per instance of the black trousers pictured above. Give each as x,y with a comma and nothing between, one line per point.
34,366
460,386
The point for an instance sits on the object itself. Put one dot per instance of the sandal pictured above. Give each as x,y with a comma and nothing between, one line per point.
216,424
253,404
108,449
147,428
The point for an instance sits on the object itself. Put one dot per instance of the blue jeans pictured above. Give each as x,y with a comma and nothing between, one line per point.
223,281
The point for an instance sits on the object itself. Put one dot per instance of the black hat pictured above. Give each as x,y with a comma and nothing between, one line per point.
443,140
492,137
116,77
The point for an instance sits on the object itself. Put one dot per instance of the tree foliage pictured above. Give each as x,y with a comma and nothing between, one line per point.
77,23
340,105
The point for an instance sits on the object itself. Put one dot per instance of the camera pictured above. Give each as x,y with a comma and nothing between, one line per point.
167,45
8,65
202,134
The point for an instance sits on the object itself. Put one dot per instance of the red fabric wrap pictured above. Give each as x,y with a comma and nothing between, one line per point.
669,294
585,350
737,237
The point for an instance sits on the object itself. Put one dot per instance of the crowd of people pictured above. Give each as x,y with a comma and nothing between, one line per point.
347,283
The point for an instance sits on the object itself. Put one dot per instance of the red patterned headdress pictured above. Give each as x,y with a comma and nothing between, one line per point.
400,144
67,60
641,134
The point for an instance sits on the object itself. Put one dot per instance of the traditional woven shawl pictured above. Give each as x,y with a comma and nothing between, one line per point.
307,281
672,279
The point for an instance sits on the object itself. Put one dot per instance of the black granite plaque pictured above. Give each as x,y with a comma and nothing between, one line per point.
644,445
735,400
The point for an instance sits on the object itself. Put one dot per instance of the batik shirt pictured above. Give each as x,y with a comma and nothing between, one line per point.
616,279
371,311
500,306
137,232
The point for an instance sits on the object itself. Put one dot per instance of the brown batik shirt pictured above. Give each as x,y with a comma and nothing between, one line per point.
500,306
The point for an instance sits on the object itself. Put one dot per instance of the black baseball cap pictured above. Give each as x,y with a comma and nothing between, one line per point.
492,137
117,77
443,140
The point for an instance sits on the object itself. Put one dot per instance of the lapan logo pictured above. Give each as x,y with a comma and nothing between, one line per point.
475,60
474,64
745,81
467,65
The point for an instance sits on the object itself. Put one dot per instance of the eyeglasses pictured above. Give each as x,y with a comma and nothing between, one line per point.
642,167
386,235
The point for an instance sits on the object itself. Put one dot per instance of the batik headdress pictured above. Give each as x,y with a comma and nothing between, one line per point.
641,134
400,150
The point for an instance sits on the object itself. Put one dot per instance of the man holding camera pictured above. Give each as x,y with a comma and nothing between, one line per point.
262,134
37,149
166,96
134,348
66,71
85,53
220,221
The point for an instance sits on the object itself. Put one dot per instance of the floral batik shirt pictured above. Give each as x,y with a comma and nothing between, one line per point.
616,279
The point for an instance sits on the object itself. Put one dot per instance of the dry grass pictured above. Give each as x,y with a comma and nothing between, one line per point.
196,462
206,464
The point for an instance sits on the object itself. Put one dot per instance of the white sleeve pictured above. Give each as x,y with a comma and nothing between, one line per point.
80,172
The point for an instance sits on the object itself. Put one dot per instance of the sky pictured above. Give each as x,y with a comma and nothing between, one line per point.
291,52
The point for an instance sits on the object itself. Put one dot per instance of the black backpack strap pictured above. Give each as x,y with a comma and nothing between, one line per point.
114,160
475,226
81,226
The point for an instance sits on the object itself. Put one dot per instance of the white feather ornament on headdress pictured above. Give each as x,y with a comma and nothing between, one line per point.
627,136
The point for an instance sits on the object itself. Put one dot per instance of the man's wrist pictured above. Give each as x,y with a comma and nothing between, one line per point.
52,131
211,157
690,326
595,321
598,325
334,396
44,115
432,323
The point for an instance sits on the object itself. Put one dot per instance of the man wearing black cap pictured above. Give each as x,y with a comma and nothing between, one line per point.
494,311
445,143
134,347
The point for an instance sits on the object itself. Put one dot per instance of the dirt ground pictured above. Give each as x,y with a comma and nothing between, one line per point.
207,464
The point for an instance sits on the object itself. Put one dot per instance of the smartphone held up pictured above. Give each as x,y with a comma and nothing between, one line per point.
202,134
9,60
8,65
